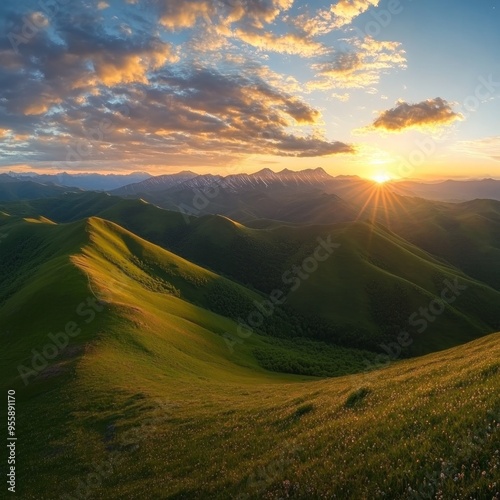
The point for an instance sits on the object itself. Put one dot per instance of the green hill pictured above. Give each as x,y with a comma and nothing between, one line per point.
14,190
95,254
465,234
140,389
305,205
375,285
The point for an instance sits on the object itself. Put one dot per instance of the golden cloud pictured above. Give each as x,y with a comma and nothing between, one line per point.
257,13
114,69
345,11
38,105
289,43
360,67
182,14
429,114
337,16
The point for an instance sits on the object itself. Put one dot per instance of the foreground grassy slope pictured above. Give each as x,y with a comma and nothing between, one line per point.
148,401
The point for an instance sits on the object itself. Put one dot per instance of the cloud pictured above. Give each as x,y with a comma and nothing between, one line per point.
256,13
194,115
345,11
113,68
289,43
337,16
38,19
488,147
290,145
341,97
358,66
429,114
183,14
84,55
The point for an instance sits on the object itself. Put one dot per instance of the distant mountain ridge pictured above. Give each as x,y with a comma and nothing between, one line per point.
170,190
156,183
305,196
451,190
12,189
87,181
234,182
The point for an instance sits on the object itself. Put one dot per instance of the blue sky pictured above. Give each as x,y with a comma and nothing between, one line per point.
405,88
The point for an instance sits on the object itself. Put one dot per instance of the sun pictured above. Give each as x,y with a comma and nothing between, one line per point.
381,178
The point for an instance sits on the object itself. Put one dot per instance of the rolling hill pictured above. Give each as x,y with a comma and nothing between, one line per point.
452,190
374,286
467,235
14,190
140,372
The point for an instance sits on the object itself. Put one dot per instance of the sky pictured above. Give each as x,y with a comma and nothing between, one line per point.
395,88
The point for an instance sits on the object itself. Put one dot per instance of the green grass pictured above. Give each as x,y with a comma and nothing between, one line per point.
149,402
355,398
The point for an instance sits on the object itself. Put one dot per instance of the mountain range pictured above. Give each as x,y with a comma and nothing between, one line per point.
89,181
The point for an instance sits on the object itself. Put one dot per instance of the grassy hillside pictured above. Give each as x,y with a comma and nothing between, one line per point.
147,401
362,296
36,253
465,234
373,287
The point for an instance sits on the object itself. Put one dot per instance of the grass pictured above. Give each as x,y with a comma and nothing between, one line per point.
355,398
148,401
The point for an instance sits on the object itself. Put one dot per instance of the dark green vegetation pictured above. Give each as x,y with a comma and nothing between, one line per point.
159,395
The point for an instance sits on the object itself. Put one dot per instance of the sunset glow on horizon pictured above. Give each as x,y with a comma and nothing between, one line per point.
381,178
383,89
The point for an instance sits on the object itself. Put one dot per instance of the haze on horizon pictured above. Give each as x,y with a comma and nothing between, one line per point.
376,88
